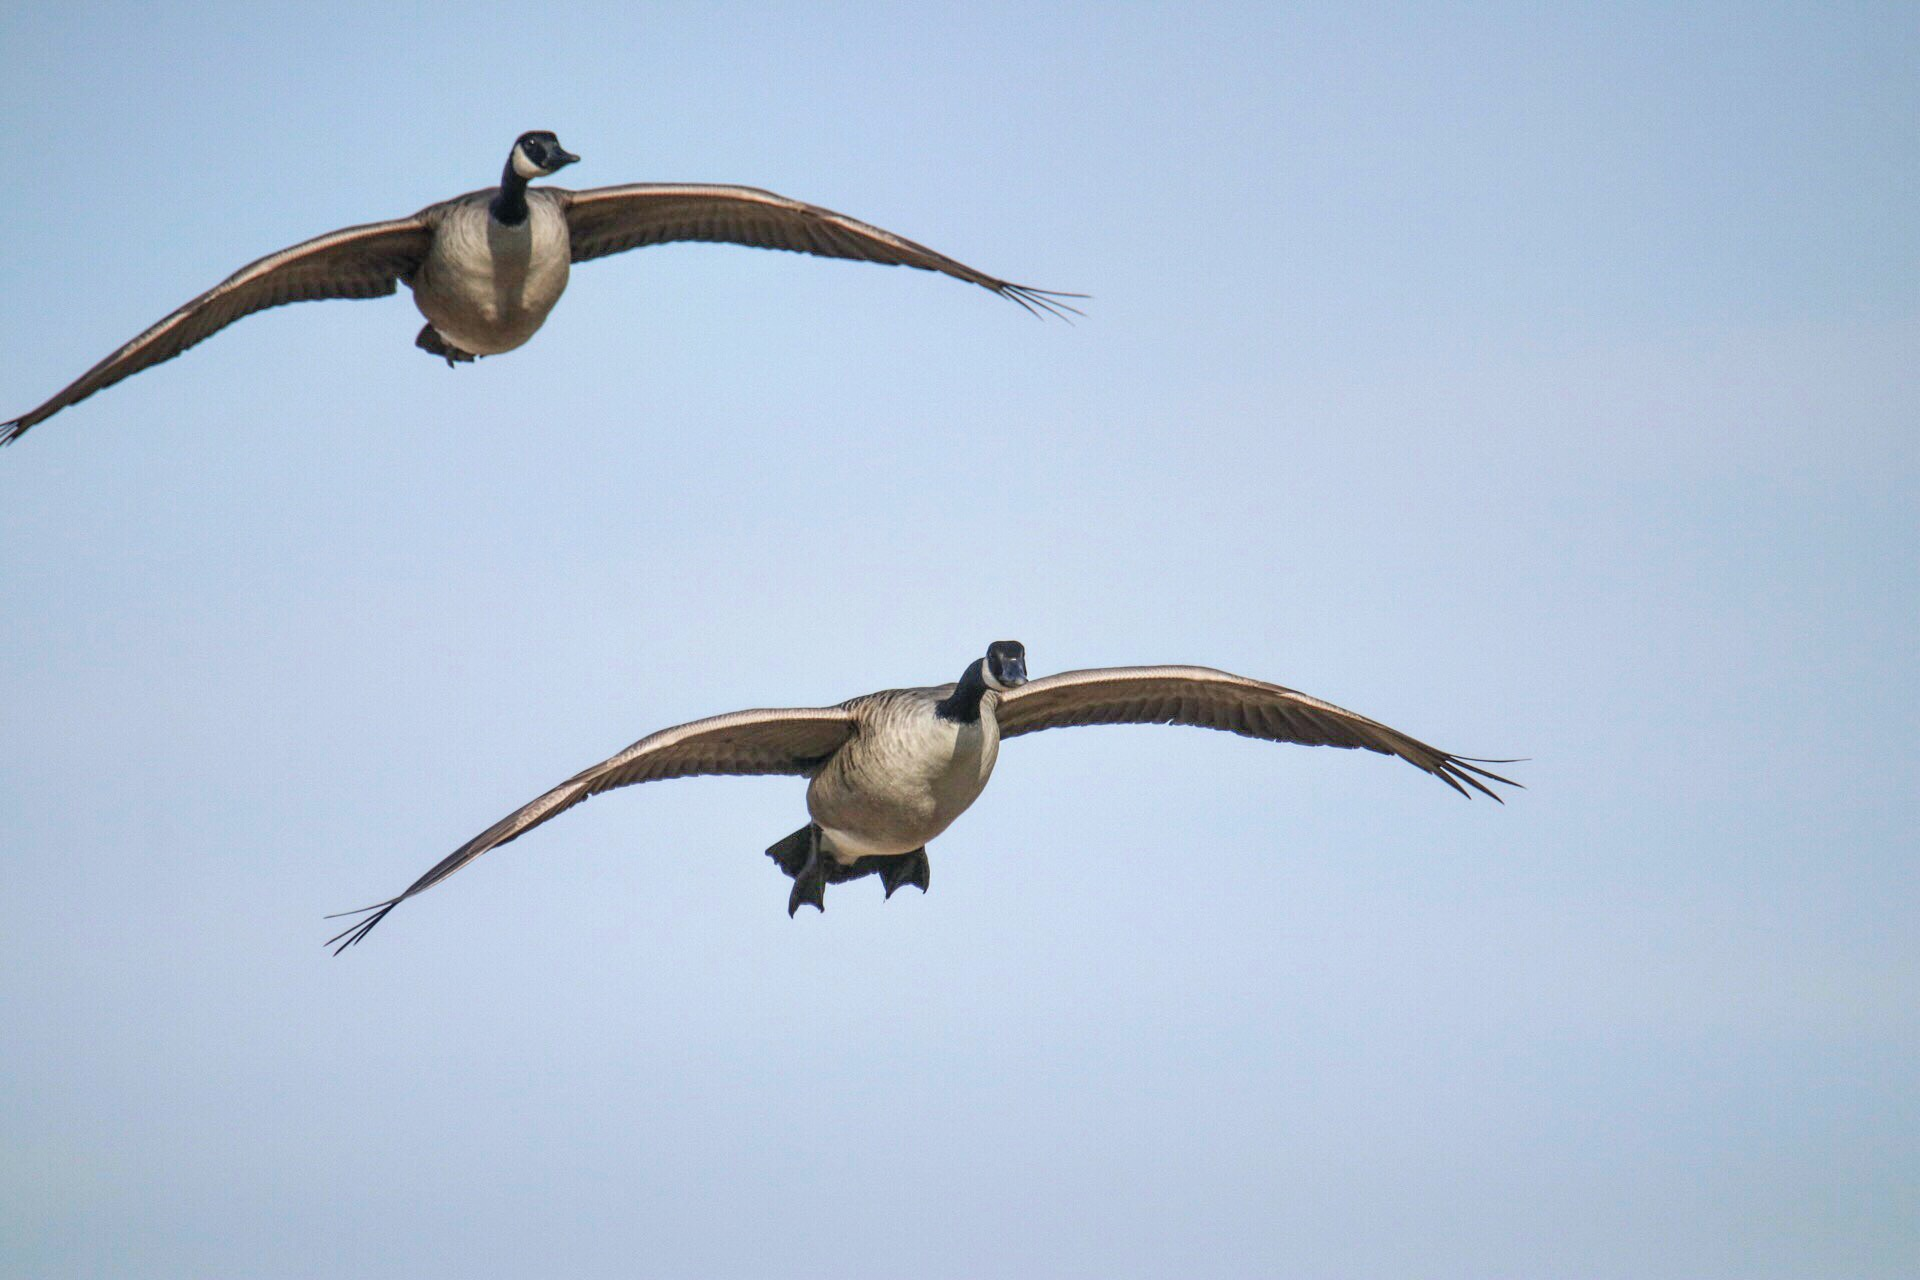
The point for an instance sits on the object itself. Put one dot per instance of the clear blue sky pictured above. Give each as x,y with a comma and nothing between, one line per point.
1542,382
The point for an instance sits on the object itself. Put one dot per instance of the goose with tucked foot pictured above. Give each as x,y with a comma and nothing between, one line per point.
486,268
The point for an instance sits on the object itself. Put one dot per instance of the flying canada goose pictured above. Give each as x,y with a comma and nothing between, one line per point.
892,770
486,267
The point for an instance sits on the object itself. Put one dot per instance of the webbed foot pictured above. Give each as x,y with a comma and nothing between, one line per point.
810,886
801,857
432,343
791,854
904,868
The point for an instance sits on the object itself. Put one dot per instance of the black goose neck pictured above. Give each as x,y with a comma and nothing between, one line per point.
510,202
963,704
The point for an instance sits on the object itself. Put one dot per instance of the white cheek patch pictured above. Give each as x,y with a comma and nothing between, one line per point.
525,167
986,672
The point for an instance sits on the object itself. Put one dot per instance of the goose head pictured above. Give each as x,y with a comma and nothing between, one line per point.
538,154
1005,666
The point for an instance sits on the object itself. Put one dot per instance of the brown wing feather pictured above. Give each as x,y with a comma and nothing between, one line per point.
1209,699
791,741
355,262
613,219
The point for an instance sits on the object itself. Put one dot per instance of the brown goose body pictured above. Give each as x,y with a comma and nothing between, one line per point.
904,777
889,771
486,268
486,286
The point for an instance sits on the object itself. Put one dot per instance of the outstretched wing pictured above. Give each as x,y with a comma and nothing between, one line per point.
791,741
612,219
355,262
1209,699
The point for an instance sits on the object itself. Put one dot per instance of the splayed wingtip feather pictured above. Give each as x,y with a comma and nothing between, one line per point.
353,933
1041,303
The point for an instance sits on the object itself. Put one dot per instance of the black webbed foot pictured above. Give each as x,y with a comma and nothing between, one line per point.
801,857
904,868
432,343
791,854
810,886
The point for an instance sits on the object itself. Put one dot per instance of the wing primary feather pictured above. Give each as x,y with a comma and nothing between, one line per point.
354,262
775,741
353,933
613,219
1205,698
1044,299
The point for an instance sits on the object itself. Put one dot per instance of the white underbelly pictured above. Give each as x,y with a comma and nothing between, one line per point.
851,846
487,288
891,793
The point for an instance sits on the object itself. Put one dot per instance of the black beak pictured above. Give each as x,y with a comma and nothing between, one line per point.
1013,672
558,159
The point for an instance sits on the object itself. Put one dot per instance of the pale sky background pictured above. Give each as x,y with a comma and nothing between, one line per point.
1543,383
